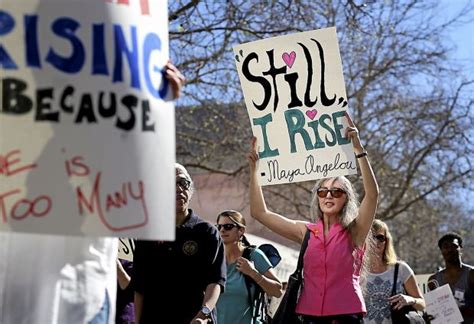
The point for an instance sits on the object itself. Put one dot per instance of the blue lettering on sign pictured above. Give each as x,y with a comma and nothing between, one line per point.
152,43
132,56
7,24
31,41
66,27
127,50
99,58
262,122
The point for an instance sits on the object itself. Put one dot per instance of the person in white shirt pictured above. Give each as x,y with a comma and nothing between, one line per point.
61,279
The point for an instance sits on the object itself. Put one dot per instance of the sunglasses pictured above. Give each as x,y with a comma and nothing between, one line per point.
450,245
226,227
380,237
335,192
183,183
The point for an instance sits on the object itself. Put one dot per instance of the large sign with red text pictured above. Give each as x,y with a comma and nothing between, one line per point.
296,99
86,127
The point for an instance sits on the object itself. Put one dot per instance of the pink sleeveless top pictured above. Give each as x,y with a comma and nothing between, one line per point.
331,274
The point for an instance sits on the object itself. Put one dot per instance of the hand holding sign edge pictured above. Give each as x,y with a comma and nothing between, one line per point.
252,156
176,79
352,133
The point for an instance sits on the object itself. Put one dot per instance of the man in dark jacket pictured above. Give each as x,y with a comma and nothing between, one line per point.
180,281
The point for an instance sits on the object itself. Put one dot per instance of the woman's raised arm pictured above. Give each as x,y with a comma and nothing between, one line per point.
291,229
368,206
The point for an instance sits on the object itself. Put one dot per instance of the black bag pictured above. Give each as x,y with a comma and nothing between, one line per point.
259,300
285,313
408,314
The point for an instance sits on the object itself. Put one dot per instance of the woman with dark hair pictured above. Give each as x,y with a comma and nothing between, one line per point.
333,259
380,277
234,305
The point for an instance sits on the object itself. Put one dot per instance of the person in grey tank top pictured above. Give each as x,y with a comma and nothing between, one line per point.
458,275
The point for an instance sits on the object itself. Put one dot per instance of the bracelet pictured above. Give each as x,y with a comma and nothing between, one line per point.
364,153
259,281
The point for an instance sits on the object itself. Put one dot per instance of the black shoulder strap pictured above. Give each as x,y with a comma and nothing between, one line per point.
248,281
247,251
395,277
304,245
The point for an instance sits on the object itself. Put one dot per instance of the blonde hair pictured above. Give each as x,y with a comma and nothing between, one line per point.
389,256
351,207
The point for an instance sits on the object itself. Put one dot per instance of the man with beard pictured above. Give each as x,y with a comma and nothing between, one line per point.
180,281
458,275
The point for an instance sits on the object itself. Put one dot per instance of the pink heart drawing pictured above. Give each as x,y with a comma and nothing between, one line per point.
311,113
289,59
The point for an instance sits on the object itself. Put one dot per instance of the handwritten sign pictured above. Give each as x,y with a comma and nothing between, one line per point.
441,305
295,96
422,281
86,130
126,248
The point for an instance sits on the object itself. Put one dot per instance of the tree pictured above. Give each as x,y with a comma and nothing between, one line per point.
411,102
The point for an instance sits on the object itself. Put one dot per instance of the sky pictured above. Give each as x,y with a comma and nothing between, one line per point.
463,38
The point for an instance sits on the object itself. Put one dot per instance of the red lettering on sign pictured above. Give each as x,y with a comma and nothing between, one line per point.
2,203
31,207
144,5
9,160
76,167
117,200
22,208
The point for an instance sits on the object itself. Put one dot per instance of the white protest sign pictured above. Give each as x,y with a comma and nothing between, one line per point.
441,305
422,281
87,144
126,248
289,256
296,99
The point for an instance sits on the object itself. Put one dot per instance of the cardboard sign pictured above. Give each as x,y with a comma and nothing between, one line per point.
126,248
441,305
289,256
87,139
422,281
296,99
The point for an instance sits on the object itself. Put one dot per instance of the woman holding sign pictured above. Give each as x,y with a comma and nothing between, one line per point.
333,259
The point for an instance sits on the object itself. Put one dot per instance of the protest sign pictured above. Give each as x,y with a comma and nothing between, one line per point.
296,99
441,305
126,248
87,142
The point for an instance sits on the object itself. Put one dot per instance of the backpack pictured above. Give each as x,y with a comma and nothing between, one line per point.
259,301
